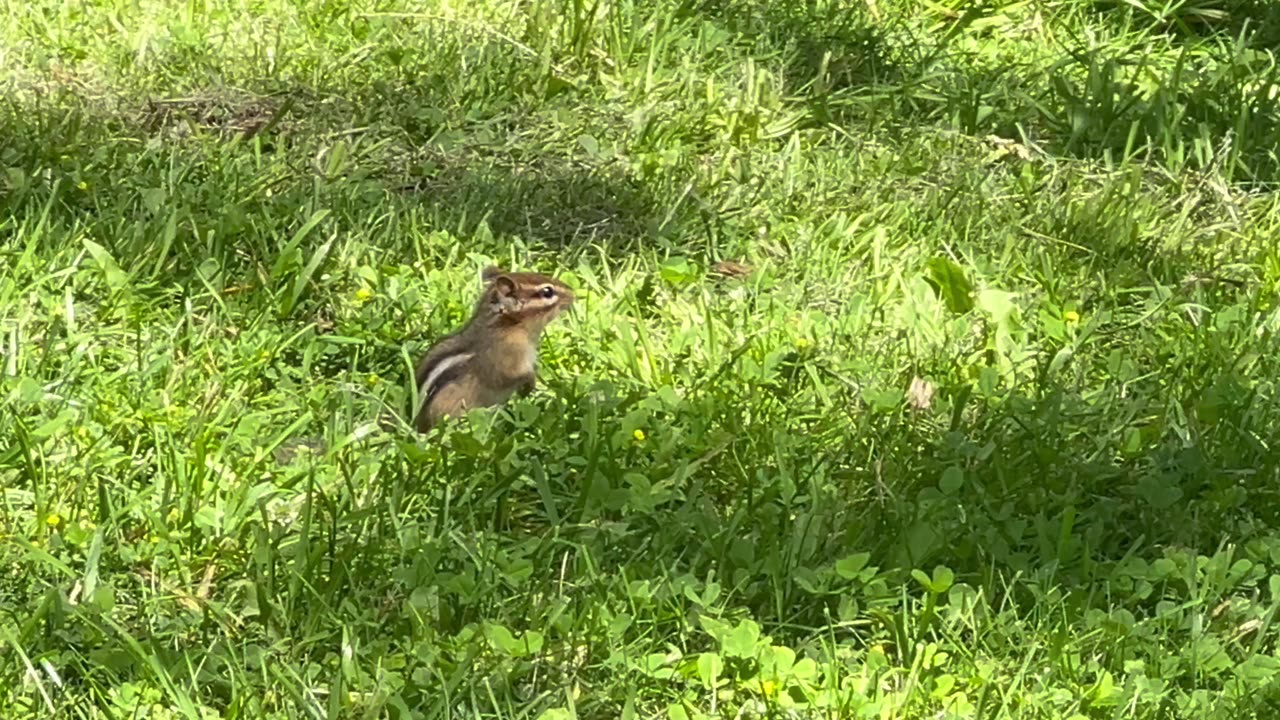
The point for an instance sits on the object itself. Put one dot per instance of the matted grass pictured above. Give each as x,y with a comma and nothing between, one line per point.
988,432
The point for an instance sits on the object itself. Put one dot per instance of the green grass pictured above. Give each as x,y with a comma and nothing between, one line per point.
227,225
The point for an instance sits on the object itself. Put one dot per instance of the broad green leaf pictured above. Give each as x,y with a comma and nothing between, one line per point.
1104,692
710,593
717,629
710,668
677,271
806,669
922,538
653,662
531,643
1162,568
115,277
776,661
49,428
943,579
1160,491
883,399
950,282
590,144
29,390
153,199
998,304
618,626
1131,443
922,578
1258,670
741,641
501,639
952,480
103,598
206,517
849,566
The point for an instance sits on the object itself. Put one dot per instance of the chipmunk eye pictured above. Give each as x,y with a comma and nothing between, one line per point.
547,291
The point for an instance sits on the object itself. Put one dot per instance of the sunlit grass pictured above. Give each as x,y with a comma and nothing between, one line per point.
986,431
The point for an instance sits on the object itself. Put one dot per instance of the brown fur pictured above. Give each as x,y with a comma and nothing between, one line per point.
495,353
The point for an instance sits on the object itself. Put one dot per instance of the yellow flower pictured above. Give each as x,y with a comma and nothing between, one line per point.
53,521
768,688
638,435
802,343
364,295
372,380
1071,316
83,185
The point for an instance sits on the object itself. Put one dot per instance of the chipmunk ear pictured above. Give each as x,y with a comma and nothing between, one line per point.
499,288
504,286
500,293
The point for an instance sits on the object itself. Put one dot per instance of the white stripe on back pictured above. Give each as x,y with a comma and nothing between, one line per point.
438,370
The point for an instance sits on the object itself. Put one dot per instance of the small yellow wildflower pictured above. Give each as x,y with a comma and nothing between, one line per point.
638,435
364,295
54,520
768,688
802,343
1071,316
372,379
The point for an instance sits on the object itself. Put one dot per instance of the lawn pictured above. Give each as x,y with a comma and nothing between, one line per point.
989,430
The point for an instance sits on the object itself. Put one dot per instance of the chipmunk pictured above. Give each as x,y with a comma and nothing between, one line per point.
484,363
494,355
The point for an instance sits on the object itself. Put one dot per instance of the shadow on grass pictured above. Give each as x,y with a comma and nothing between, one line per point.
1191,23
843,42
1031,499
1210,108
988,485
234,176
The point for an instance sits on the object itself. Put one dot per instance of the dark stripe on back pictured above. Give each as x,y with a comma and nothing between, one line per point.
449,375
444,348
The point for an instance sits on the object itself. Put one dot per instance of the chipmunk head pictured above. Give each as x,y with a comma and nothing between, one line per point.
526,298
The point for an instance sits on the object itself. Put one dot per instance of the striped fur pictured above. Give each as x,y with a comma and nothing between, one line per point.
495,353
